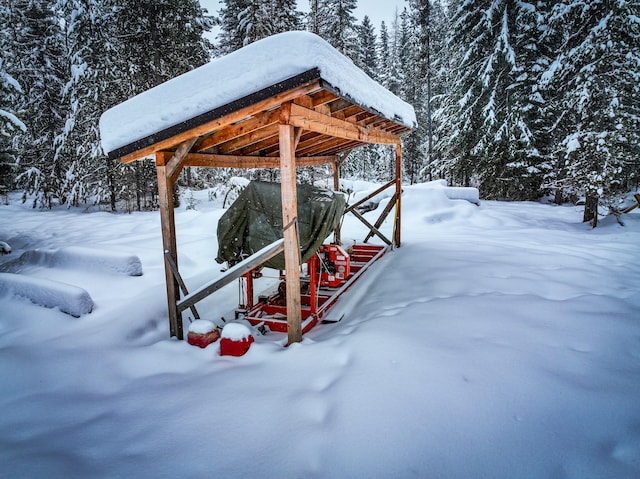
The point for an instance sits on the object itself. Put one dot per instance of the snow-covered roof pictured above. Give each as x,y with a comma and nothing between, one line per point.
226,80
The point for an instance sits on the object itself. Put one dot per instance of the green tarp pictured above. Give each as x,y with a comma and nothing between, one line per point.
254,221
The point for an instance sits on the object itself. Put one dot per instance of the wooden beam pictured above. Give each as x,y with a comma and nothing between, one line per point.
382,217
315,121
290,224
372,228
167,220
323,97
237,130
253,137
396,223
183,286
335,167
296,138
174,165
231,274
235,161
369,196
218,123
633,207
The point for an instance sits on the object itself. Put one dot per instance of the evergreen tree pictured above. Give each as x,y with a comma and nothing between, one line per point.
384,56
490,105
317,19
438,81
263,18
341,26
392,69
245,21
413,72
230,36
287,16
366,57
595,77
39,68
156,41
10,91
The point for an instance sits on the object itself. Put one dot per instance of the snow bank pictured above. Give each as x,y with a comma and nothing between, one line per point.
472,195
234,76
50,294
85,258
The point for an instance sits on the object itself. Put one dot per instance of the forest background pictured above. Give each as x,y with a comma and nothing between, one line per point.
525,100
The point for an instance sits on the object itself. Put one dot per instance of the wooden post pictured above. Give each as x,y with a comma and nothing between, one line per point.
287,136
335,166
396,223
167,220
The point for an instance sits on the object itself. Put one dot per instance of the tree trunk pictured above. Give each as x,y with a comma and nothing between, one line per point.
591,209
558,199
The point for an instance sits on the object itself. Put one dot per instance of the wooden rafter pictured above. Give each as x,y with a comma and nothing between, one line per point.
314,121
237,130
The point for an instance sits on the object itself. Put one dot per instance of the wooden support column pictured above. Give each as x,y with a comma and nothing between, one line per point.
335,166
396,223
167,220
287,138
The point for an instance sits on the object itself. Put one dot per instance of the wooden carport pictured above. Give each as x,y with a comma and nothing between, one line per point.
301,121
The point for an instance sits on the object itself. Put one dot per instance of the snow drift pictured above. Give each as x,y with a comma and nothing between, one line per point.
78,257
50,294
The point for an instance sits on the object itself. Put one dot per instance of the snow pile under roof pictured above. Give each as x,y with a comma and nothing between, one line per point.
234,76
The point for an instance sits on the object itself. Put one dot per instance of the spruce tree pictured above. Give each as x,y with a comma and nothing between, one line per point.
384,54
39,66
317,19
366,57
438,81
263,18
341,26
489,107
156,41
594,84
231,37
10,91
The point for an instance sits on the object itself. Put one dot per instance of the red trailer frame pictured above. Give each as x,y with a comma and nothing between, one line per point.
317,299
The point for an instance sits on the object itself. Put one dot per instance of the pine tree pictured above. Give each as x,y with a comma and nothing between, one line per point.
595,76
245,21
412,71
287,16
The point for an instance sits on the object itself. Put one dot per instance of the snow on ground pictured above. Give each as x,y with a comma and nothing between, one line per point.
500,341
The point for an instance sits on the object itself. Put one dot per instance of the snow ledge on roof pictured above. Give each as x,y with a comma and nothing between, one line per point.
234,76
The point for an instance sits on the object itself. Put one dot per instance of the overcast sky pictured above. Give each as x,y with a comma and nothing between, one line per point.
378,10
